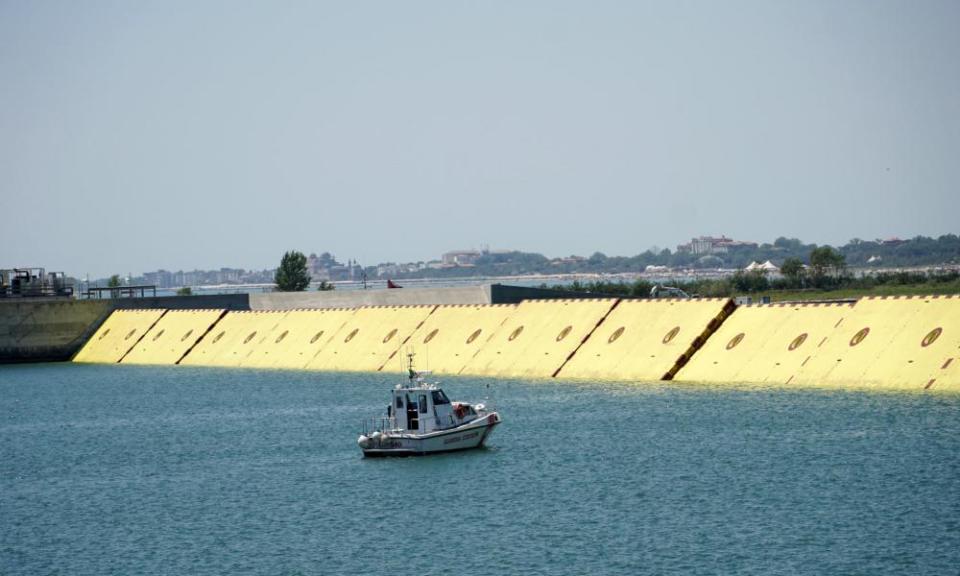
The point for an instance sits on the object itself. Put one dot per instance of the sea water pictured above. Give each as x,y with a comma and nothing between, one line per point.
117,469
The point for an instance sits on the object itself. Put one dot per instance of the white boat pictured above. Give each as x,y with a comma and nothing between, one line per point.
422,420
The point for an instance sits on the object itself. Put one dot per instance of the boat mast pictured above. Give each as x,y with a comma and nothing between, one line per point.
411,373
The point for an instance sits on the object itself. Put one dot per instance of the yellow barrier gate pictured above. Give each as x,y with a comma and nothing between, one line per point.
538,338
944,351
915,356
764,343
927,348
451,335
298,337
908,343
117,335
233,339
859,341
172,336
370,338
646,340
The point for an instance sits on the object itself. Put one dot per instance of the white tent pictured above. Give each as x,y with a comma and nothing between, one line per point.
769,266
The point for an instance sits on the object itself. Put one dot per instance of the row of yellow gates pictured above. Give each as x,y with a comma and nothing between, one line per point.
898,343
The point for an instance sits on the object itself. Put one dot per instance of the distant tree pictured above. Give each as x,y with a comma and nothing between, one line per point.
292,274
753,281
640,289
792,269
325,286
828,267
597,258
185,291
114,281
787,243
826,260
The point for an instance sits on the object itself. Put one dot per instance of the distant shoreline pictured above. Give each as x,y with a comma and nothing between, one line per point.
564,280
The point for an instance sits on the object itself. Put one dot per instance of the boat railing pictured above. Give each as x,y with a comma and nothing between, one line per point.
381,424
389,423
451,421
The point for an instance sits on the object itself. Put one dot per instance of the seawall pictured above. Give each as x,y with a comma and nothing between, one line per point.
898,343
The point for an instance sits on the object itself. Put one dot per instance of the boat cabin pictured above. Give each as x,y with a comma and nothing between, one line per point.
426,408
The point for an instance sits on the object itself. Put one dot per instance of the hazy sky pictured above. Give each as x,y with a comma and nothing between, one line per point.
144,135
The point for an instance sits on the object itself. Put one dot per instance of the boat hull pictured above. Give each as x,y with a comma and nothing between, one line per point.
464,437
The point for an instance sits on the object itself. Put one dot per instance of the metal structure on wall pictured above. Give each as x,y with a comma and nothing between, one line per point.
34,283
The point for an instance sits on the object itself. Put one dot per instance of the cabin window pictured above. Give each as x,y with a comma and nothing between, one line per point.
399,402
440,398
423,403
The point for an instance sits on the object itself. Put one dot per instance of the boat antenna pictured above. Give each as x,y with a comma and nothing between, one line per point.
410,371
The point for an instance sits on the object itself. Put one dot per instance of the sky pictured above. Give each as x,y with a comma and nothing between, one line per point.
180,135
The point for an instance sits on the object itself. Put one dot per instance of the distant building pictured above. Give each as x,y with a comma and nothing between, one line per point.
461,258
707,245
167,279
319,266
389,269
229,276
160,278
326,267
567,260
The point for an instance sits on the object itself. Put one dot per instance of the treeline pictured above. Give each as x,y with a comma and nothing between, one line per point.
919,251
758,282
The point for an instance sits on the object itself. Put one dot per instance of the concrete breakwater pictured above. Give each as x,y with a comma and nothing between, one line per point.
909,343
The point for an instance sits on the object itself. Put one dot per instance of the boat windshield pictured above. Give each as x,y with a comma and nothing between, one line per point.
440,398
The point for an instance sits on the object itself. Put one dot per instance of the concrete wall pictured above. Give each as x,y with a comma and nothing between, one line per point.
504,294
202,301
42,330
460,295
383,297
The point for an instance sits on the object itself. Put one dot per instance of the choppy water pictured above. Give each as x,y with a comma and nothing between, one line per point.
128,470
